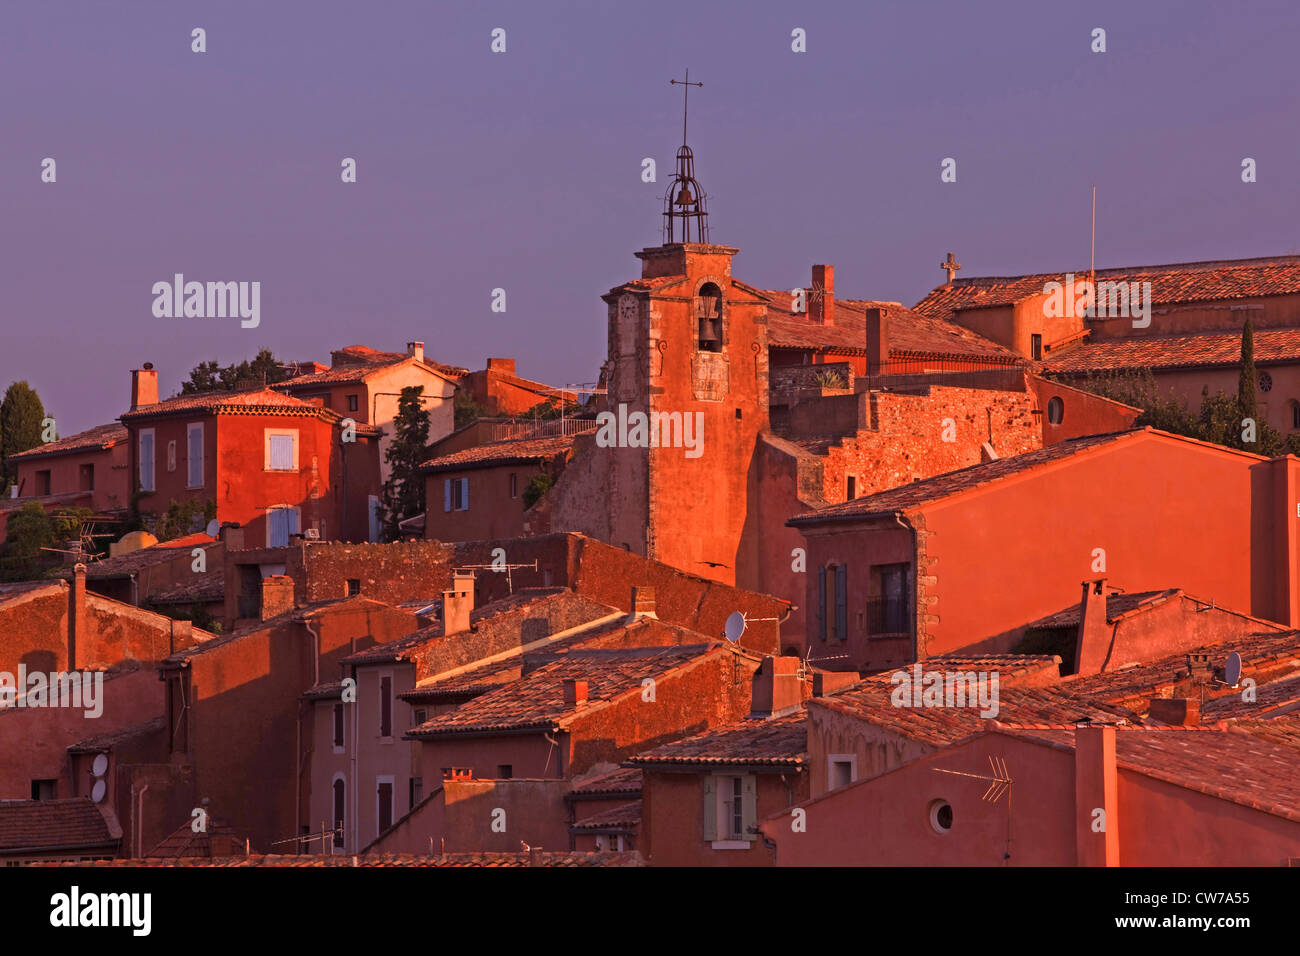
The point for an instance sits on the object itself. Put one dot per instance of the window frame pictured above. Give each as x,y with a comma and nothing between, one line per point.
267,435
190,428
153,460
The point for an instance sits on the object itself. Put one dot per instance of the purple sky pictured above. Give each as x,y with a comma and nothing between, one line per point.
522,170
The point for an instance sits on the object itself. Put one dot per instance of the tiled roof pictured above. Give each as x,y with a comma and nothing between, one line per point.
93,439
201,589
1241,768
104,742
51,824
908,331
567,859
356,374
1177,282
621,818
185,842
871,702
516,451
954,482
1283,729
783,742
69,498
124,565
1117,605
330,691
252,401
1278,696
537,700
1193,350
21,590
622,780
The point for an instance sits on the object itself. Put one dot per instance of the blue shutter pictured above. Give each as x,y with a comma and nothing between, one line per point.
821,603
446,494
841,602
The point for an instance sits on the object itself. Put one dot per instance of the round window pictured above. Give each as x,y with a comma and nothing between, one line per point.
1055,410
941,816
1265,381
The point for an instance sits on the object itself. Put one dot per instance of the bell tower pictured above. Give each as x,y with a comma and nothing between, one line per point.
685,216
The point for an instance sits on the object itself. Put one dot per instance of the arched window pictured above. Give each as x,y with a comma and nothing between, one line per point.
708,312
340,798
1055,410
1295,415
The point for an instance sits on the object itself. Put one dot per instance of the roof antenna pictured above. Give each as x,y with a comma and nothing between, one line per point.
1092,245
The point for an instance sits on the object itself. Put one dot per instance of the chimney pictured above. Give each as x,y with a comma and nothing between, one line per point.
575,692
877,341
1092,645
1175,711
457,604
777,687
277,595
1095,788
144,386
232,535
826,683
182,635
415,350
643,604
78,622
506,366
821,308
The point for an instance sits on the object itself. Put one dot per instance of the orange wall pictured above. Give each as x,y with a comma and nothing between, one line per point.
112,480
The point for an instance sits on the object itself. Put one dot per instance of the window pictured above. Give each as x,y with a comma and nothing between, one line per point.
281,453
941,816
842,770
86,477
340,805
730,811
739,416
352,403
1265,381
505,771
419,716
1295,415
708,313
384,796
43,482
416,791
851,493
281,522
194,455
386,706
44,789
171,456
455,494
832,597
514,485
373,512
146,460
354,587
338,728
1055,410
887,604
1036,347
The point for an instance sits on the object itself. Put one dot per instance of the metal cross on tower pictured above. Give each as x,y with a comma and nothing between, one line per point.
686,95
684,200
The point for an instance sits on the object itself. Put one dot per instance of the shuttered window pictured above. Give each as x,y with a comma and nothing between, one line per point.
194,455
146,460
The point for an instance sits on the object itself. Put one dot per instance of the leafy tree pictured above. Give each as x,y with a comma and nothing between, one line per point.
553,407
28,531
540,484
264,369
467,409
21,415
184,517
402,496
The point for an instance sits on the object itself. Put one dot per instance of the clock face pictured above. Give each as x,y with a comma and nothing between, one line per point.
627,308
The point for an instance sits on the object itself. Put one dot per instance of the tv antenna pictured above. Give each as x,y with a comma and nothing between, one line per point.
507,568
737,622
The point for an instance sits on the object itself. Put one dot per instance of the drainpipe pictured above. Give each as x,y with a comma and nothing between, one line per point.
916,579
298,754
353,809
137,797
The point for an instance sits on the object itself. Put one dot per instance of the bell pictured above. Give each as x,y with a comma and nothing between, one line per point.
684,198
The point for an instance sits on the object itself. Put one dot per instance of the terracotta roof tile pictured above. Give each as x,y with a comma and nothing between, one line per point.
622,780
1176,282
107,741
125,565
621,818
93,439
1193,350
510,452
49,824
201,589
1117,605
566,859
254,400
783,741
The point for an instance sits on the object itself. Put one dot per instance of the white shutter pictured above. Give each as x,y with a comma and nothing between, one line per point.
748,807
194,455
282,453
146,461
446,494
710,808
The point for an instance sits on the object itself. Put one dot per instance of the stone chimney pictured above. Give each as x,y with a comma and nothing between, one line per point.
575,692
1175,711
643,604
232,535
1096,787
457,604
877,341
777,689
78,621
415,350
506,366
144,386
821,308
1092,644
277,595
826,683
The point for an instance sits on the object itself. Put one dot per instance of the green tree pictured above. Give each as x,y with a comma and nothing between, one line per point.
402,496
553,407
21,557
537,486
264,369
1248,381
21,415
467,410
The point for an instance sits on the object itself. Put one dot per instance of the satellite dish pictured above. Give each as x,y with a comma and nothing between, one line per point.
100,765
97,791
1232,670
214,528
735,626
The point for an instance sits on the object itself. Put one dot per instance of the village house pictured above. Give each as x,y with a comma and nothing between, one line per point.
74,830
500,392
93,461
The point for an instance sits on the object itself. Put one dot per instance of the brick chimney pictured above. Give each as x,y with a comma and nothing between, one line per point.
1175,711
277,595
777,688
232,535
877,341
78,622
415,350
1092,644
575,692
821,308
506,366
643,604
144,386
457,604
1096,787
826,683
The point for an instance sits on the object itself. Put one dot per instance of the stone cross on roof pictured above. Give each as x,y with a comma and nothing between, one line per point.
950,265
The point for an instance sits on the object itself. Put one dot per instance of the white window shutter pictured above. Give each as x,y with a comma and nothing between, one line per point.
710,808
446,494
